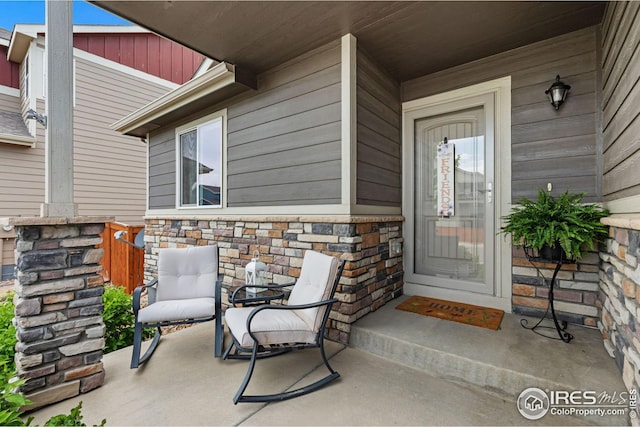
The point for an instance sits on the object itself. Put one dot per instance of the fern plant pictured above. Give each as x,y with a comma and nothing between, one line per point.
556,221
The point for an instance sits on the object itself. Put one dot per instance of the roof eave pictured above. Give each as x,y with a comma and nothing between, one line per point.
18,140
19,46
222,80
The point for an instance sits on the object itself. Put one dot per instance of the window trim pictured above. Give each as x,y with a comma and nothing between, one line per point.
27,82
194,125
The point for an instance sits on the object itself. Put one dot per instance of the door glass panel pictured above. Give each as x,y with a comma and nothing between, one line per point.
451,247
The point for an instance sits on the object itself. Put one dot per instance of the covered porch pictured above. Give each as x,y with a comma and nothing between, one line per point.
400,369
342,178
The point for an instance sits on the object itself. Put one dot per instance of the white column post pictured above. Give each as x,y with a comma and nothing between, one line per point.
59,111
349,121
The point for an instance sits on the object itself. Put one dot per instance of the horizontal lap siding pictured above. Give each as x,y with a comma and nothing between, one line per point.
547,145
379,141
283,142
9,103
110,169
162,170
22,176
621,98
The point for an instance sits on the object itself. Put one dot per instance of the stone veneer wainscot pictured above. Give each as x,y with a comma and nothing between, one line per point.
575,291
373,275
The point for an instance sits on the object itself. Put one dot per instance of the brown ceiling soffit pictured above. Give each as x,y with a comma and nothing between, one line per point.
213,86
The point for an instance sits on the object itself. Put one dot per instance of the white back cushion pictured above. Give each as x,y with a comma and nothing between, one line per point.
315,283
187,272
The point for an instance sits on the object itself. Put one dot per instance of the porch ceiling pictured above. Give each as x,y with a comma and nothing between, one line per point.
409,39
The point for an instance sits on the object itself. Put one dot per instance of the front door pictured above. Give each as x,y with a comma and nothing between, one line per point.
453,220
456,176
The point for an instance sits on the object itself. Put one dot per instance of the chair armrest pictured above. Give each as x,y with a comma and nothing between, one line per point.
283,307
137,292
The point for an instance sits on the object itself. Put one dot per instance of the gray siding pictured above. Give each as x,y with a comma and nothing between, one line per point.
162,170
547,145
379,160
621,100
284,141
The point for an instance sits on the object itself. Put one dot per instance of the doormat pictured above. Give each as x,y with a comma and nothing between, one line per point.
484,317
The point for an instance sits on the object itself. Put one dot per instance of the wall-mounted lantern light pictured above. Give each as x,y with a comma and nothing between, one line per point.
557,93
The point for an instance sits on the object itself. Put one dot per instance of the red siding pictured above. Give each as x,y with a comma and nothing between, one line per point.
96,46
141,58
9,71
112,48
164,56
145,52
153,44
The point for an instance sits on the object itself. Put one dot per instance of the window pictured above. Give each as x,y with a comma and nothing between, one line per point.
200,174
26,77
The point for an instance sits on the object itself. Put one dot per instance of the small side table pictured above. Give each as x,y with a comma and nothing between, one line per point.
241,297
560,326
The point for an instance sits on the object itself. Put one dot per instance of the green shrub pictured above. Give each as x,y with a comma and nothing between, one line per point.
74,418
7,334
118,319
10,400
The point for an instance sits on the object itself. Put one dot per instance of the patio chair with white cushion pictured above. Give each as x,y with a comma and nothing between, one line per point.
187,290
267,329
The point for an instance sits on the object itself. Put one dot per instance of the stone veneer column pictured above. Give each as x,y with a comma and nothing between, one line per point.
58,314
619,298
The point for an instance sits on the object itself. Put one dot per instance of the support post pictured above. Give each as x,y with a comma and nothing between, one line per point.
59,111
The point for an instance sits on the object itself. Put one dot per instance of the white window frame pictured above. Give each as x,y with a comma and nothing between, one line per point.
222,115
27,82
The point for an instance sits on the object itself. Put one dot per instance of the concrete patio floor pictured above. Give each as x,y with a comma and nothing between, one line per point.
183,384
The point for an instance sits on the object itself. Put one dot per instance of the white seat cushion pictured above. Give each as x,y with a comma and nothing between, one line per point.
269,327
185,273
314,285
181,309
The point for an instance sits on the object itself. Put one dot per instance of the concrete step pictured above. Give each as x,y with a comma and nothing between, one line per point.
503,362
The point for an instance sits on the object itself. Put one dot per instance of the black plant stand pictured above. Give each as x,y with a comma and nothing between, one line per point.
559,326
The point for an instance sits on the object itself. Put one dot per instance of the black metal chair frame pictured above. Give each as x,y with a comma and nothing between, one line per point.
136,359
258,351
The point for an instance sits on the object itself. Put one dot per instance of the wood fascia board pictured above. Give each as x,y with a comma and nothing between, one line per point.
17,140
218,77
19,46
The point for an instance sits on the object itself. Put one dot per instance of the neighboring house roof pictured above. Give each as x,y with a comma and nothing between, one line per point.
13,124
128,45
13,129
5,34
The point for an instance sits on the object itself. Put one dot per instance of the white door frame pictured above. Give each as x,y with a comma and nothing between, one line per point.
412,111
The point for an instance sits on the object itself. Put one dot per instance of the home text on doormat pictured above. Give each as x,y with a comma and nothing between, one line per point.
455,311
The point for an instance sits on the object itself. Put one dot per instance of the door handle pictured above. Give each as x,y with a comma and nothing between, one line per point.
488,191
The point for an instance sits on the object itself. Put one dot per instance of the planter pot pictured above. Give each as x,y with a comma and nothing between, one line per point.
553,253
